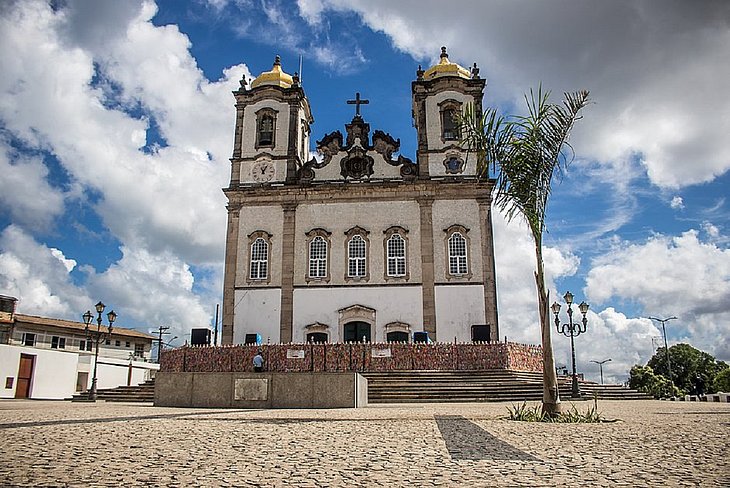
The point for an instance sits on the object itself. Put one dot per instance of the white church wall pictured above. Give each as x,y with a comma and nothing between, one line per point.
248,149
269,219
257,312
374,217
446,213
458,307
391,304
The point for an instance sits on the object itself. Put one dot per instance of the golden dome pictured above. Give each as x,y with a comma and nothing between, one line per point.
446,68
275,77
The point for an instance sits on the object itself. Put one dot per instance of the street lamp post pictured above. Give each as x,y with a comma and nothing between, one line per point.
666,347
571,330
98,335
600,366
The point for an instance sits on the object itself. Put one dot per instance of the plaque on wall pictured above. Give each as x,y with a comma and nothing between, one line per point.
254,389
381,353
295,353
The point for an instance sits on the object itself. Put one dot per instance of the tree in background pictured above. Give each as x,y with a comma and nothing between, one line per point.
526,152
693,371
722,381
643,378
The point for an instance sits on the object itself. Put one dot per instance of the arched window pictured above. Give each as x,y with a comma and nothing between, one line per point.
318,258
259,259
396,253
259,247
457,255
396,256
318,246
356,257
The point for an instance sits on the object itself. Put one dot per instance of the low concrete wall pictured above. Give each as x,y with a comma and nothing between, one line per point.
261,390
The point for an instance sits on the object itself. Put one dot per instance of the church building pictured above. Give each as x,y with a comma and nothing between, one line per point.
357,244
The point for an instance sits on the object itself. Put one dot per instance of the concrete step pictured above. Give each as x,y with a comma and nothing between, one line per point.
466,386
136,393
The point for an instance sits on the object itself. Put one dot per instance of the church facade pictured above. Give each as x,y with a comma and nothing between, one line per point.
356,243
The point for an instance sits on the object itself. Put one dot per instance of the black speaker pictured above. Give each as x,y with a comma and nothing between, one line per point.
200,337
420,337
252,339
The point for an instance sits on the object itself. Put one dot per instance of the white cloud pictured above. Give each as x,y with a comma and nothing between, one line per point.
680,276
516,289
38,276
677,203
69,264
656,70
153,290
26,193
49,101
70,76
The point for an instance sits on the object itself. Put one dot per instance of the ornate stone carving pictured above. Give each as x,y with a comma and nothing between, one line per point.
357,164
385,144
358,129
328,146
408,169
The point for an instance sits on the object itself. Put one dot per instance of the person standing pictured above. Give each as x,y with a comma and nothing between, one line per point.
258,362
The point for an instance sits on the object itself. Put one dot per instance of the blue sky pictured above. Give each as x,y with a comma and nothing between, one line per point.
116,125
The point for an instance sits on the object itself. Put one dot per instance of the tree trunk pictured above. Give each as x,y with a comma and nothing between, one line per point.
550,392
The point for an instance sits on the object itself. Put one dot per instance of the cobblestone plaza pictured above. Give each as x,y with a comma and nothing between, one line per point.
105,444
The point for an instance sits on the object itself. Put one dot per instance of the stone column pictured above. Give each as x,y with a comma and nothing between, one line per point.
427,271
293,142
488,267
229,276
287,272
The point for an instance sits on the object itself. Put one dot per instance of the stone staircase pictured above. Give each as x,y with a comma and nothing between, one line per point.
139,393
478,386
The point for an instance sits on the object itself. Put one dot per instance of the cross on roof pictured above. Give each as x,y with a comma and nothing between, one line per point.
357,102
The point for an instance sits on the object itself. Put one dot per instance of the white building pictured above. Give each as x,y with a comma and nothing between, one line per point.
45,358
357,243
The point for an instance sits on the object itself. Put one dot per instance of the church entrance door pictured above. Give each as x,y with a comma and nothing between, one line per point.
356,332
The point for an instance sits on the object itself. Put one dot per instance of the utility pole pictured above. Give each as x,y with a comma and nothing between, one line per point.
162,331
215,331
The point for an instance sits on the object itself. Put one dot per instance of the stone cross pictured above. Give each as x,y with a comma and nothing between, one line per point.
357,102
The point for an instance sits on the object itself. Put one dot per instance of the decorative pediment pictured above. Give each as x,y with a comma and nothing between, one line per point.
357,157
358,129
316,327
328,146
357,312
357,164
385,144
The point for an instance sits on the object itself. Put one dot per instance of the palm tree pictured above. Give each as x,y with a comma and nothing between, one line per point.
526,152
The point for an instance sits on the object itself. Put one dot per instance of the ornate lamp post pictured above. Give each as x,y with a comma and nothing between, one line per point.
666,348
571,330
97,336
600,366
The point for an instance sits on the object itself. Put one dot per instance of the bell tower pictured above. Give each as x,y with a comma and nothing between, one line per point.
439,94
273,121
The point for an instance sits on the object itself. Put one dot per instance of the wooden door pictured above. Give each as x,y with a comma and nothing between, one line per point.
25,376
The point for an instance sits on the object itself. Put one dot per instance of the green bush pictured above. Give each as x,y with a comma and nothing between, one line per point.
644,379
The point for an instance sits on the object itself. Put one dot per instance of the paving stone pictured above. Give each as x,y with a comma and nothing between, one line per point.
654,444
